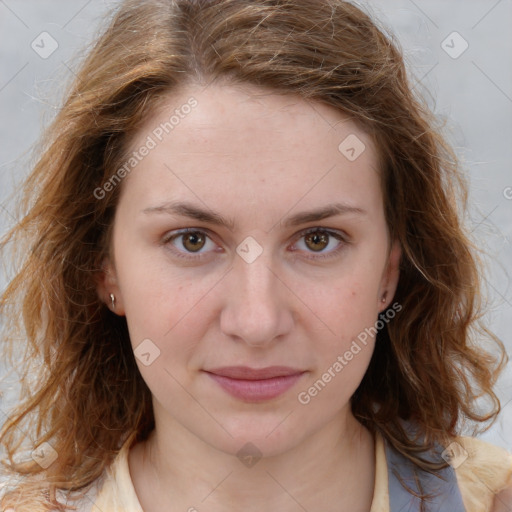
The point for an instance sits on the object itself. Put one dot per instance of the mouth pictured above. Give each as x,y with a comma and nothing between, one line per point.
255,385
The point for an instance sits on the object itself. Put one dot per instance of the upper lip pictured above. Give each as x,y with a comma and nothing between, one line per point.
247,373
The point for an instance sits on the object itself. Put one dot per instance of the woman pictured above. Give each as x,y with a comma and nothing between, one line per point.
246,279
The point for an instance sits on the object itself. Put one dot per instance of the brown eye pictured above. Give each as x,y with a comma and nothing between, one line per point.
193,241
188,243
317,241
326,243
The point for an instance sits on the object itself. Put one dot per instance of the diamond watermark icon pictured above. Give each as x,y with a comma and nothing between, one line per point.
146,352
44,455
454,45
249,454
44,45
249,249
455,455
352,147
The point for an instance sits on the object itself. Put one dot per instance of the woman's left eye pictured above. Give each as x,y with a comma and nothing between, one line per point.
315,240
319,238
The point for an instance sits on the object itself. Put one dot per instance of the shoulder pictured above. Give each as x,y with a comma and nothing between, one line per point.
484,474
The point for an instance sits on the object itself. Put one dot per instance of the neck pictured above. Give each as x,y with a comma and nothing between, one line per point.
331,470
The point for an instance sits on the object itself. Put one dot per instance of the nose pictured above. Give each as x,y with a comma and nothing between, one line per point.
258,308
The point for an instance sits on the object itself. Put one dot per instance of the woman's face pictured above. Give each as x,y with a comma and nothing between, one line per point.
260,292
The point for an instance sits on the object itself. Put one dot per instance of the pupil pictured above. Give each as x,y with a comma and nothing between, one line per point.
195,237
318,239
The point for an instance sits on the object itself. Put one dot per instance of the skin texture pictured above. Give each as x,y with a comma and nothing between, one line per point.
255,157
503,501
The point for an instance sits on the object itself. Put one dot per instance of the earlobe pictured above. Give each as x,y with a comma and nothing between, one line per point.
108,288
390,277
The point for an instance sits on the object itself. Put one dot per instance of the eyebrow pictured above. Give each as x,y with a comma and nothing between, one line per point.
192,211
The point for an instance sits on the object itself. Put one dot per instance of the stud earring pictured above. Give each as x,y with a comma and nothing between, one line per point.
384,297
113,300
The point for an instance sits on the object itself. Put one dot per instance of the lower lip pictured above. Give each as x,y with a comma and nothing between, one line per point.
256,390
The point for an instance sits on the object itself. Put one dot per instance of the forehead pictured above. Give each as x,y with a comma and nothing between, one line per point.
254,146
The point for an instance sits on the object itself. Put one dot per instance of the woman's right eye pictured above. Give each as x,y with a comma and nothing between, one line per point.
192,240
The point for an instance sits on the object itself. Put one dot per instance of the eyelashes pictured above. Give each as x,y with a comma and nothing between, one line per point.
325,234
195,235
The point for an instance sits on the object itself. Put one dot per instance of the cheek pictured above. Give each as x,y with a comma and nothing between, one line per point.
163,304
345,304
344,352
338,375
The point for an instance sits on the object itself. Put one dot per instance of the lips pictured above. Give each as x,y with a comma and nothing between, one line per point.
255,385
247,373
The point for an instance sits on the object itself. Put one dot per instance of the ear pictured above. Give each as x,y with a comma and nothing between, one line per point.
390,277
106,284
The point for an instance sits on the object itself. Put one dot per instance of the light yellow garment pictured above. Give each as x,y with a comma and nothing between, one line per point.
487,470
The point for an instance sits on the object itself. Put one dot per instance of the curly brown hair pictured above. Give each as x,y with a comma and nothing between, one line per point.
80,380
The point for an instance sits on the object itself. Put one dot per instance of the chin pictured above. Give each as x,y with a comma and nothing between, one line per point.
266,437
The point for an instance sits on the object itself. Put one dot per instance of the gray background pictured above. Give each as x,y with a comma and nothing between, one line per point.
472,92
